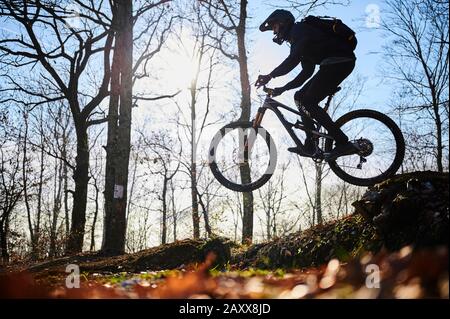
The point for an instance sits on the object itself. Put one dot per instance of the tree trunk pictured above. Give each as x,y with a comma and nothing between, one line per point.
81,178
205,216
341,196
174,212
439,145
119,132
313,216
268,224
164,212
4,241
318,196
34,255
133,183
37,228
195,215
247,218
194,195
56,208
111,142
247,198
97,191
66,187
274,227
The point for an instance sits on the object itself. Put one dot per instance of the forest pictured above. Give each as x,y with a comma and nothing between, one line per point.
111,184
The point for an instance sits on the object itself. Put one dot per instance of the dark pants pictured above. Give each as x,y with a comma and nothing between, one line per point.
318,88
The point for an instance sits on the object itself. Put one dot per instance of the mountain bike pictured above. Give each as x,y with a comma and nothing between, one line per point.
379,153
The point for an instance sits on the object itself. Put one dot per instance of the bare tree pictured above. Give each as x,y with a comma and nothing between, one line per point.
65,59
62,56
26,170
203,56
234,204
45,133
119,130
271,198
57,187
124,74
137,237
418,58
11,191
163,160
95,171
303,8
174,209
231,17
339,197
209,195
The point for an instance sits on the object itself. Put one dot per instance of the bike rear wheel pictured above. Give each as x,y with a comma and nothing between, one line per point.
383,148
242,158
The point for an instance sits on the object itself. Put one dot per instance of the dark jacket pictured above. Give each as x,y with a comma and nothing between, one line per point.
310,46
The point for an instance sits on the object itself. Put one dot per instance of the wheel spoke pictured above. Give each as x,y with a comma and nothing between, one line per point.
240,147
382,148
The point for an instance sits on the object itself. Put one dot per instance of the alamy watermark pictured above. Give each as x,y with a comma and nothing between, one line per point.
373,17
73,279
73,20
373,276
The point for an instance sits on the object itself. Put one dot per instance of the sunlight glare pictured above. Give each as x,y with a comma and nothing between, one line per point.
182,62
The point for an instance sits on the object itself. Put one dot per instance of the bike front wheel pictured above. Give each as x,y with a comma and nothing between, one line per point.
241,157
382,148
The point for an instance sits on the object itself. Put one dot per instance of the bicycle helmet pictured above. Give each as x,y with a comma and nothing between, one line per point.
286,21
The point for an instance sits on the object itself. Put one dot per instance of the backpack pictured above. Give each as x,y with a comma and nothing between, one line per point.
333,26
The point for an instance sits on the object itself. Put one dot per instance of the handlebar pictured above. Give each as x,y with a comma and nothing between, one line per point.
269,91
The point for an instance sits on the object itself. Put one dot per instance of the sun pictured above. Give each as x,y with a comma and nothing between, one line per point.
181,62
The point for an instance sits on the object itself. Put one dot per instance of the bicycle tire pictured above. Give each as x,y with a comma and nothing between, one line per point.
218,174
399,140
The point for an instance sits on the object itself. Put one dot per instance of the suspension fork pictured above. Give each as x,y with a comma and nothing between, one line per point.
259,116
250,139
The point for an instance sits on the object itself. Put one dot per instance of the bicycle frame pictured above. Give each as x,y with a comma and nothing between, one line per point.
249,132
275,106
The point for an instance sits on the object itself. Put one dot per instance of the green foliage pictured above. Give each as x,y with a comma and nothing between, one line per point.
154,275
116,279
247,273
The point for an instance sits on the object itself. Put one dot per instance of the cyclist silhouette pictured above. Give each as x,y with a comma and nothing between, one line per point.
311,46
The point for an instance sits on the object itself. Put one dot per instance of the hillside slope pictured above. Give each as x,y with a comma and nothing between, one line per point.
409,209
